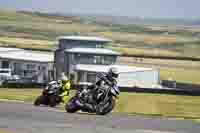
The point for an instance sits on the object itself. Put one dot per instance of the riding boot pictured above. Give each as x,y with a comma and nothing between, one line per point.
79,103
89,107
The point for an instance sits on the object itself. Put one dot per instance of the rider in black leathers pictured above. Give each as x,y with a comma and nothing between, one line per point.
110,78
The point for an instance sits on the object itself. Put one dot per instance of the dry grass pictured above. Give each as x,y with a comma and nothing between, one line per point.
175,28
26,43
19,25
175,63
146,38
23,41
152,52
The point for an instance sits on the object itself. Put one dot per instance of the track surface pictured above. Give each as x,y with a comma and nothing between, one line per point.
25,118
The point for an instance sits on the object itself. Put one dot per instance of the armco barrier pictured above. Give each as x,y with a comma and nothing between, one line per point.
179,85
162,57
193,91
174,91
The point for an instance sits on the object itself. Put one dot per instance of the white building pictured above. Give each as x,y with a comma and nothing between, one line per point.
34,65
83,57
128,76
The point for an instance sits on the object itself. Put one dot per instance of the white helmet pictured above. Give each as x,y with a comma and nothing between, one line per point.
113,72
63,77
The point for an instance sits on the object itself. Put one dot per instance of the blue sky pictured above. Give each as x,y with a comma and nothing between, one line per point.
140,8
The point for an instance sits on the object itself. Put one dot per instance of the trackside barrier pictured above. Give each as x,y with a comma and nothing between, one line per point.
164,90
179,85
174,91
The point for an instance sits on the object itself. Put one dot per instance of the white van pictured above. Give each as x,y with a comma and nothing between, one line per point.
5,72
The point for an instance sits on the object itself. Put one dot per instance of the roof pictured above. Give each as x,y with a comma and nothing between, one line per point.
6,49
101,51
85,38
105,68
27,55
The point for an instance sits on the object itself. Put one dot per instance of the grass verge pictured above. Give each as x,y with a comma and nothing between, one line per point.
187,107
181,75
2,130
159,105
27,95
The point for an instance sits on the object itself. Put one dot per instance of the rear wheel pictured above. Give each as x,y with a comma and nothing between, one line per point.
107,108
71,106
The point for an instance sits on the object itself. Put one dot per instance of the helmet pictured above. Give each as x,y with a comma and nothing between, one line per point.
63,78
113,73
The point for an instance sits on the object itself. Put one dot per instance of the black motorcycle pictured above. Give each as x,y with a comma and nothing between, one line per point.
103,98
49,95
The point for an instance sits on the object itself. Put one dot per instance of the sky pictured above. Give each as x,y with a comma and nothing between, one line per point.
135,8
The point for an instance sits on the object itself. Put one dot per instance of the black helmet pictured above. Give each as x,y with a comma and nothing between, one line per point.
113,73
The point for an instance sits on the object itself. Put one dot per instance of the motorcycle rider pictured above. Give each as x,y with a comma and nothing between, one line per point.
110,78
64,88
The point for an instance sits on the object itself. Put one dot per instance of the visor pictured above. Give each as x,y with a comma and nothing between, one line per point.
115,75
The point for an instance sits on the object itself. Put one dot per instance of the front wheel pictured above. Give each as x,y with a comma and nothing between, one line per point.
52,101
106,108
71,106
39,100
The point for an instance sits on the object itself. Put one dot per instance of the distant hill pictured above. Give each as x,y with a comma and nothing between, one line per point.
125,20
130,35
122,20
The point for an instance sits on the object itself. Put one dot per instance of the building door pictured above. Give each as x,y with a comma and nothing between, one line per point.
5,64
17,68
80,77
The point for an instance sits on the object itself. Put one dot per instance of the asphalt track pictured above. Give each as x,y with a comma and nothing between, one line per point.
25,118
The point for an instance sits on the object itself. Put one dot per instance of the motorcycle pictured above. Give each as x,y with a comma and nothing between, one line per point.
49,95
103,98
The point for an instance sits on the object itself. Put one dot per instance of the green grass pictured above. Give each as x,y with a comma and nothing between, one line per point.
159,104
131,103
2,130
27,95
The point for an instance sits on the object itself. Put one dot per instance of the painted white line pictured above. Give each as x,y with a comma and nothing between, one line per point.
8,100
28,103
153,131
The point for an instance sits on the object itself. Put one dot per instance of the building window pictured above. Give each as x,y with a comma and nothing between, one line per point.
5,64
39,67
30,66
108,60
91,77
95,59
29,73
98,46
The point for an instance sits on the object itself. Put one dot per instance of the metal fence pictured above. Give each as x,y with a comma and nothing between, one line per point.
180,85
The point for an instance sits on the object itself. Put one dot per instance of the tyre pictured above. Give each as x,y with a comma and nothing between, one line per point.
71,106
107,108
52,101
39,100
